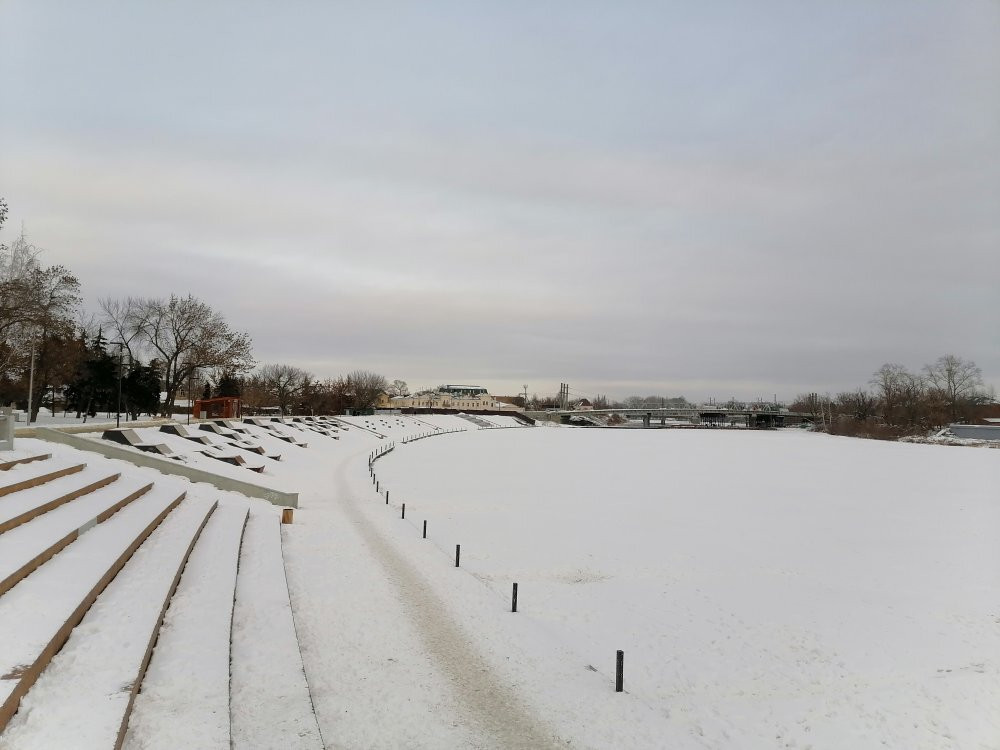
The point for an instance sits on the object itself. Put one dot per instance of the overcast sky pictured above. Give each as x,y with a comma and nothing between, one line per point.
699,198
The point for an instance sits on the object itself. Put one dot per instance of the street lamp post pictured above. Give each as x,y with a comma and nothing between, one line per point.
190,403
118,412
31,377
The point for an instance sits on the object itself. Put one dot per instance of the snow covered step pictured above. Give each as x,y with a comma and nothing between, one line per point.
24,477
28,546
7,465
270,699
19,508
184,698
37,615
84,697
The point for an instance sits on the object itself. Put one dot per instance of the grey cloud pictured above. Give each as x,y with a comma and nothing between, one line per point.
720,202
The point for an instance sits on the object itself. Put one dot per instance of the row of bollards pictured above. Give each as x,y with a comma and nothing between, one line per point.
374,456
423,435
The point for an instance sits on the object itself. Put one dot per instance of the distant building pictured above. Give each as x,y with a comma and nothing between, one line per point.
225,407
458,397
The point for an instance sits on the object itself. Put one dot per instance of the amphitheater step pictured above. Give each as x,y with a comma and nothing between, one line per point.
17,509
184,699
270,697
37,615
7,465
25,548
23,477
84,697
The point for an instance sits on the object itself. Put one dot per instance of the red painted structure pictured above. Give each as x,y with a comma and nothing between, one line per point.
225,407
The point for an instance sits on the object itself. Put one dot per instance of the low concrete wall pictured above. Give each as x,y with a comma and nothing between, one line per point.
543,416
96,426
6,429
167,466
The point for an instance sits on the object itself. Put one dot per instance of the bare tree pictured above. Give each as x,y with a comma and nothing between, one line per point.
889,381
284,383
186,334
20,306
957,381
128,320
56,296
17,264
365,387
860,405
253,393
399,388
914,404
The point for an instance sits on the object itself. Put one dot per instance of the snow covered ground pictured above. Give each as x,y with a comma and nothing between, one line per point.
769,589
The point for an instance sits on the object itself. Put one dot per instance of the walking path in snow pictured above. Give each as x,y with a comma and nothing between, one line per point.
491,705
410,673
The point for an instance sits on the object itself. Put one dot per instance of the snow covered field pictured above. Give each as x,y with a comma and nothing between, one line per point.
769,589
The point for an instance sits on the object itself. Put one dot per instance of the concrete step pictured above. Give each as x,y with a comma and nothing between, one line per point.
270,697
29,503
7,465
84,697
28,546
37,615
23,477
184,700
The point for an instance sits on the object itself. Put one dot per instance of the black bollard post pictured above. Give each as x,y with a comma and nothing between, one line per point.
458,554
425,528
387,495
513,601
620,673
403,514
376,487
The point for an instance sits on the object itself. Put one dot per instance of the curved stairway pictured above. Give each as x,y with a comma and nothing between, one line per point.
117,597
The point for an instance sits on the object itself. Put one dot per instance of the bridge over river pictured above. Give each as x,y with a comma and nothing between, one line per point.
705,414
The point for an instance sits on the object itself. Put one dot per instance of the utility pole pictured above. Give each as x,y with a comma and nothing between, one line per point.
190,403
118,413
525,386
31,377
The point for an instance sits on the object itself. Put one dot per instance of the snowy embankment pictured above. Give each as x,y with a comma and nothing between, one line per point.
769,589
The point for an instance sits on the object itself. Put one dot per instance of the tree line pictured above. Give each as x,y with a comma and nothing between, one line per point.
141,352
900,401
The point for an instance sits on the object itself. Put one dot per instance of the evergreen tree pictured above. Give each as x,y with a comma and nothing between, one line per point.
141,389
94,385
228,385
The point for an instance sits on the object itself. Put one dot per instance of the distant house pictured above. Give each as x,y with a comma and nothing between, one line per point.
458,397
583,405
